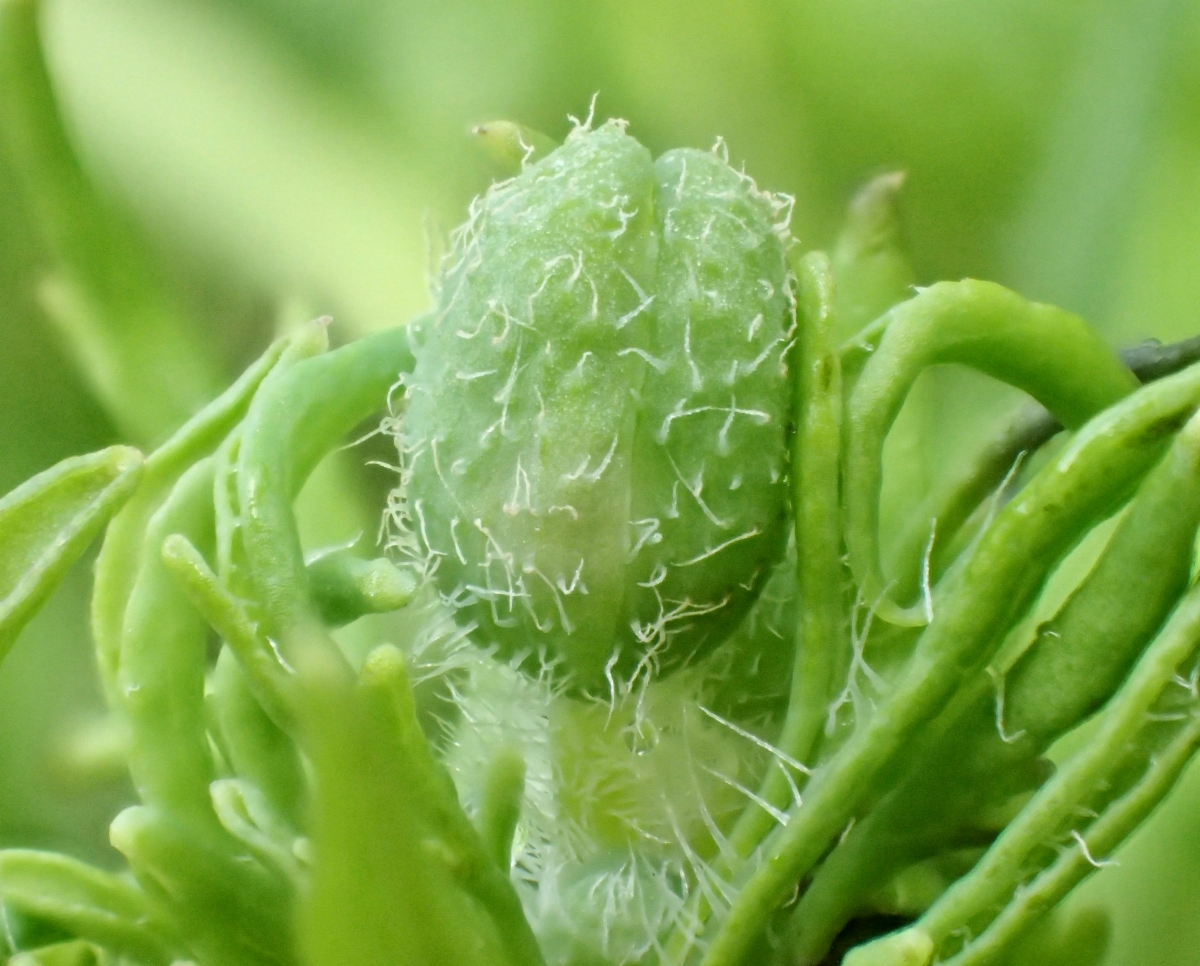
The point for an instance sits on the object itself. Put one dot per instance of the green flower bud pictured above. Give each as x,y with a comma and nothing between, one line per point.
596,436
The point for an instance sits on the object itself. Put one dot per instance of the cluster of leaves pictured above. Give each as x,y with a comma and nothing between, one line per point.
860,753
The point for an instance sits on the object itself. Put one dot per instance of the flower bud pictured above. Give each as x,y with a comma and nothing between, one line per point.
595,443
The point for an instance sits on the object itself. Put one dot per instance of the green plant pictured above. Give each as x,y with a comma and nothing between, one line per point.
628,411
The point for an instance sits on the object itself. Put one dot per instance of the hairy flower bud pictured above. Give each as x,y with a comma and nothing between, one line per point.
596,435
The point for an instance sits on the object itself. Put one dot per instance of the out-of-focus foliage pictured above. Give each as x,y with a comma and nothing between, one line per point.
290,159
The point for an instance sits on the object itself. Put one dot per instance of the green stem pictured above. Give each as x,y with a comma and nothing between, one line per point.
299,414
1006,862
821,634
1043,350
984,749
1084,857
1031,428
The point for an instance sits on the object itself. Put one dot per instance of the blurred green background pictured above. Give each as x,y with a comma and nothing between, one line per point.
290,159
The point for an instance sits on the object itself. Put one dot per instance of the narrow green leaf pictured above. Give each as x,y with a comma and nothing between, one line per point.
86,902
121,554
1040,349
48,522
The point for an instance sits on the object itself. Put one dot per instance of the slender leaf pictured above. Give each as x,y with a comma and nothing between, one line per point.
48,522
